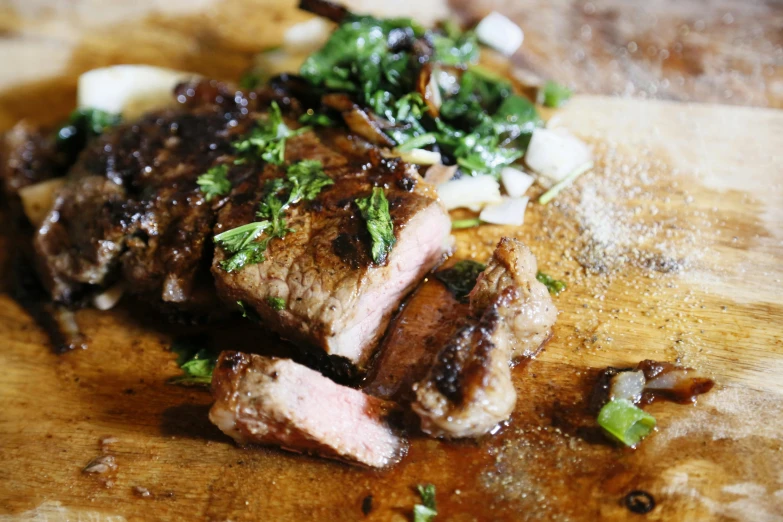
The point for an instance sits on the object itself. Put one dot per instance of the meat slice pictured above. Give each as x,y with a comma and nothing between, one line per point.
468,389
336,297
29,156
267,400
427,321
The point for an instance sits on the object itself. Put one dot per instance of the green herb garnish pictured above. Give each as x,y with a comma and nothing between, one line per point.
427,510
267,138
82,125
459,224
481,124
550,194
375,211
553,285
315,119
250,80
304,181
196,361
214,182
277,303
554,95
461,278
624,422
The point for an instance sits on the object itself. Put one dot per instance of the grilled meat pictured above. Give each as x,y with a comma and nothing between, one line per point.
277,401
468,389
336,297
426,322
29,156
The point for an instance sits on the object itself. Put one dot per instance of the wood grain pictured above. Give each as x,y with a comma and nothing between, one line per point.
687,198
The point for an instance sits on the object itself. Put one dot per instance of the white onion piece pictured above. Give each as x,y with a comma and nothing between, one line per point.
420,156
670,380
510,211
473,192
38,199
500,33
515,181
440,173
107,299
308,35
627,385
556,154
130,90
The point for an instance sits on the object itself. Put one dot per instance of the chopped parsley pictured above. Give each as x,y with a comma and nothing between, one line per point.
82,125
554,95
481,125
461,278
427,510
553,285
277,303
375,211
266,140
214,182
196,360
304,181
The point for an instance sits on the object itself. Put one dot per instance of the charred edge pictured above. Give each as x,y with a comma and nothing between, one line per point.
336,367
447,371
479,364
325,9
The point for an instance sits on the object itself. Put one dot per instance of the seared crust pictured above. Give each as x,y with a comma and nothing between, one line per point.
469,389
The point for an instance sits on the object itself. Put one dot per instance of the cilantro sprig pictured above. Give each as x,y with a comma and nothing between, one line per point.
196,360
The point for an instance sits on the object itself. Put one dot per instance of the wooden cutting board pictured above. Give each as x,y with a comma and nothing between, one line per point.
672,250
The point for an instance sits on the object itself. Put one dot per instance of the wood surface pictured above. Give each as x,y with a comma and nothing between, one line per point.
687,198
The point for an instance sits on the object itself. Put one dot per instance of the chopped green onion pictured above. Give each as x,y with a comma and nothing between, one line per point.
459,224
550,194
553,285
622,421
418,142
554,95
277,303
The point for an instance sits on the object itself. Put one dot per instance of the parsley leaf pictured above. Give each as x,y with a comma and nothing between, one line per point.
196,361
554,95
277,303
82,125
304,181
553,285
267,139
456,50
427,510
375,211
214,182
461,278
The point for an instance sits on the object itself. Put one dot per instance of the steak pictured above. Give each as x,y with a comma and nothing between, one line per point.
274,401
29,156
336,297
131,208
426,322
468,389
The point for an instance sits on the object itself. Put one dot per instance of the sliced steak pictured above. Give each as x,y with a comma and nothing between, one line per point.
131,207
426,322
469,389
336,297
274,401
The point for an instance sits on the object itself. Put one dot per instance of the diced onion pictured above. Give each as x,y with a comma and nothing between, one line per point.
307,36
420,156
471,192
107,299
440,173
515,181
510,211
38,199
129,90
554,154
627,385
500,33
